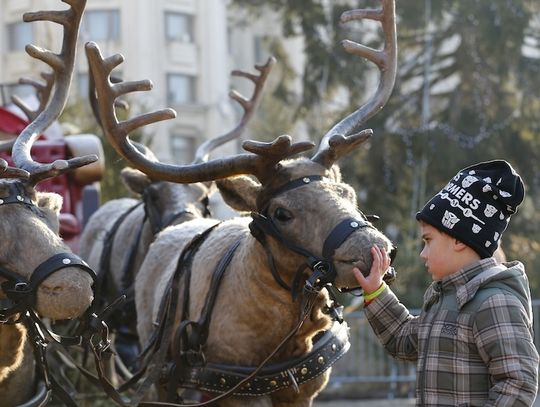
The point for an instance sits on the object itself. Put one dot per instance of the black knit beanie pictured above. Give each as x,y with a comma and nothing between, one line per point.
476,205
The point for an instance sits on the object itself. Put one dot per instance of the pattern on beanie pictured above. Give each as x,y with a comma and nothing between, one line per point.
476,205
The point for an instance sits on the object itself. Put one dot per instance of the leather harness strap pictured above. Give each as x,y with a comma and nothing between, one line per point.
218,378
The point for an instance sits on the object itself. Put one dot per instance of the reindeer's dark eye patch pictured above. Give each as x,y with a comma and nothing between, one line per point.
282,214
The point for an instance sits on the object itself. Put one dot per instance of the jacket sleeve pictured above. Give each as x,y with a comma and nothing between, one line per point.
503,336
394,325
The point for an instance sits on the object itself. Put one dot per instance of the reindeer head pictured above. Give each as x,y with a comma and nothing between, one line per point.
301,205
37,268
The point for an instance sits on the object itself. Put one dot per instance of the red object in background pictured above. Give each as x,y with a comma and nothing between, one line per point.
10,123
46,151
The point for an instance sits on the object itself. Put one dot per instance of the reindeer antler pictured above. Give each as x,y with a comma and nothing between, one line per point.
339,141
249,107
62,65
259,164
43,92
10,172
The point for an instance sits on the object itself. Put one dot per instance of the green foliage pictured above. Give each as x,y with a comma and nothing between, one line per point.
483,76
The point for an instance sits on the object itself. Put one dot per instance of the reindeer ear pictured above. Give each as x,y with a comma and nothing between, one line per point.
135,180
50,200
239,193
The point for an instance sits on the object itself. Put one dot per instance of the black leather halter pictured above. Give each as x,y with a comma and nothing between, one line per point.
21,293
324,270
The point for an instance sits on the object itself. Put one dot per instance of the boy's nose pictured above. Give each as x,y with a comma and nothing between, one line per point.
423,254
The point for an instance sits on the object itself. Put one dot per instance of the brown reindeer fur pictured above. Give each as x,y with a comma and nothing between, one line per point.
16,366
170,199
253,313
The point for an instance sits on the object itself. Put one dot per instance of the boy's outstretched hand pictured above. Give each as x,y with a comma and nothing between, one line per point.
381,263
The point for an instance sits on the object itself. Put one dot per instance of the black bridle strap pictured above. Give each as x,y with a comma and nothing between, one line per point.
295,183
57,262
105,260
340,233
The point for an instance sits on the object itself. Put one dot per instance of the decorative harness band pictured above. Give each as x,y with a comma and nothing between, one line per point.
218,378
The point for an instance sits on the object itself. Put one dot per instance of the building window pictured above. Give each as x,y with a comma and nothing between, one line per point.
182,148
101,25
180,89
19,34
179,27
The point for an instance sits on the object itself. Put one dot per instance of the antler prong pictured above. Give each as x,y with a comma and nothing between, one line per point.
362,14
123,88
44,55
43,92
332,145
62,65
248,105
145,119
375,56
10,172
58,17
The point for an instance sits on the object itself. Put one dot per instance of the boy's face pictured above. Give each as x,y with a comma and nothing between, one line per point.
439,252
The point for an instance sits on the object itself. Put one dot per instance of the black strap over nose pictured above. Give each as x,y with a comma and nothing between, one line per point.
55,263
340,233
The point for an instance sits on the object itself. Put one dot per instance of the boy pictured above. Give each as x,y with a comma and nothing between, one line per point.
473,340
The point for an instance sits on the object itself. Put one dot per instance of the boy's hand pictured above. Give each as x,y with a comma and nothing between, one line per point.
381,262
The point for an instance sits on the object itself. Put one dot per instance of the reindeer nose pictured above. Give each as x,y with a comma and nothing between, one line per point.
65,294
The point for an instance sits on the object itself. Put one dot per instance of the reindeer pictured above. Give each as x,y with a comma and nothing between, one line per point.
117,236
243,307
37,270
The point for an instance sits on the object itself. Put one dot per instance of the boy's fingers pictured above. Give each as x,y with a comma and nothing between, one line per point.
359,276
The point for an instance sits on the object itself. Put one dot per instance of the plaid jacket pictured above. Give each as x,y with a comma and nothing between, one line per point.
473,340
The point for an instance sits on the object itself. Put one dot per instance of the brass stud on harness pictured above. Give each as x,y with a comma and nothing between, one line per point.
222,381
273,383
306,180
1,201
20,198
320,360
304,371
354,224
66,261
334,347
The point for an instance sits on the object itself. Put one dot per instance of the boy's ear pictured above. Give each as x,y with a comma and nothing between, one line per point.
459,246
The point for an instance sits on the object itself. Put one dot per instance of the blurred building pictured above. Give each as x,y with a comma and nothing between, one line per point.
187,48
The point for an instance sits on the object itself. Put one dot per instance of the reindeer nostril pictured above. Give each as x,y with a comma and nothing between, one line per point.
51,290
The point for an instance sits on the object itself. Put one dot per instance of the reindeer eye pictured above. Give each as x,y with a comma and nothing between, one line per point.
282,215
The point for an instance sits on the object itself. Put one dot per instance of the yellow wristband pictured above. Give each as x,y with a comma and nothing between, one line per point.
375,294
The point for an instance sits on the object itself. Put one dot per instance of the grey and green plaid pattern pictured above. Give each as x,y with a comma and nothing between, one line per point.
472,340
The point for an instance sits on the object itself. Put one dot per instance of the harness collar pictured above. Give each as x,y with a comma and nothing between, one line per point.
219,378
